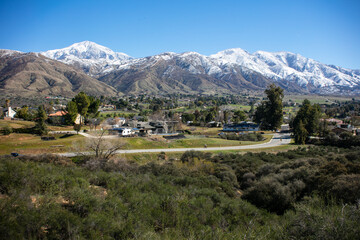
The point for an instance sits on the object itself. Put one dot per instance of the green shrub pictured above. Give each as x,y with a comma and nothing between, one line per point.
7,130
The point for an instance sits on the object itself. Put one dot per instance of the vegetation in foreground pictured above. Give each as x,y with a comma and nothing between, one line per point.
310,193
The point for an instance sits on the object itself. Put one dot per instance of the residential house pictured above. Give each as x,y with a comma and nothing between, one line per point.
338,129
117,121
160,127
332,121
121,131
144,128
213,124
79,119
57,118
241,127
9,113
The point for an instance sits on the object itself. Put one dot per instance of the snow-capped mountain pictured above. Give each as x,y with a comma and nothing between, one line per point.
6,52
292,71
285,66
93,58
32,74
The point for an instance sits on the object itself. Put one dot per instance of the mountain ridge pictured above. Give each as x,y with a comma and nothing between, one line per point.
28,74
281,67
230,71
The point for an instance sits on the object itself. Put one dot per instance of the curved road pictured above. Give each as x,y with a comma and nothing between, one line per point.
277,140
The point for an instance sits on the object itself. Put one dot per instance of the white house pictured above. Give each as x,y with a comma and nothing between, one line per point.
9,113
79,119
122,131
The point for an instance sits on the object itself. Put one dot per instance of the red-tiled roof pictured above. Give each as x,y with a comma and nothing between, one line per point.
58,114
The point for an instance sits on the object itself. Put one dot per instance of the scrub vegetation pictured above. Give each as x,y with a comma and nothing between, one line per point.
306,193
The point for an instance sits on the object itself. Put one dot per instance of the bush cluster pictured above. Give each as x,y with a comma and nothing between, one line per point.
307,193
244,137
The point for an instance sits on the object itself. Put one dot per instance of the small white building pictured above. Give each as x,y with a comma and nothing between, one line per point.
122,131
79,119
9,113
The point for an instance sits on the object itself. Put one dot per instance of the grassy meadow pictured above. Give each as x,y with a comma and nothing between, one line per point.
33,144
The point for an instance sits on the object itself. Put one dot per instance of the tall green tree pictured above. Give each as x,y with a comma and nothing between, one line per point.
308,117
269,114
226,116
209,117
40,126
72,113
239,116
82,103
300,133
24,113
94,106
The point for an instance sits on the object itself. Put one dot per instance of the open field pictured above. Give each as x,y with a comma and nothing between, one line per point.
316,99
16,124
32,144
29,124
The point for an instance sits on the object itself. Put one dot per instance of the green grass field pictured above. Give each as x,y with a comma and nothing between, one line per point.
16,124
32,144
29,124
315,99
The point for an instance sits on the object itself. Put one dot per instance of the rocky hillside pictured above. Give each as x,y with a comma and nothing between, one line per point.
28,74
229,71
232,70
183,73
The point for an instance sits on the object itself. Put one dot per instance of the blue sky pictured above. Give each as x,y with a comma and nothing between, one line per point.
325,30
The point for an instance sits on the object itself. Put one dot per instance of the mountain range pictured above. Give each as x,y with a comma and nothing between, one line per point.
99,69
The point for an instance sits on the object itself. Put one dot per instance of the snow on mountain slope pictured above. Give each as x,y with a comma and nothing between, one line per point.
93,58
291,67
282,67
6,52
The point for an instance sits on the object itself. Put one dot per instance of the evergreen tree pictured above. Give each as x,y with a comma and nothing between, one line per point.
82,103
239,116
309,117
93,110
40,126
209,117
24,113
300,133
226,116
313,123
270,112
72,113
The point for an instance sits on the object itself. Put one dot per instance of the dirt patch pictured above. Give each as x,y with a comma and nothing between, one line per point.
63,201
99,191
156,138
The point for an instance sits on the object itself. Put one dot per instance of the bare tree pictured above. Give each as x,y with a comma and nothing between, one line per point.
103,148
94,122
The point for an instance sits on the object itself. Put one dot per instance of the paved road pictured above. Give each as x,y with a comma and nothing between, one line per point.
277,140
85,134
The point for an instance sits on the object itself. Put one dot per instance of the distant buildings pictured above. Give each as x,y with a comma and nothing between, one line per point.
333,121
241,127
338,129
122,131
